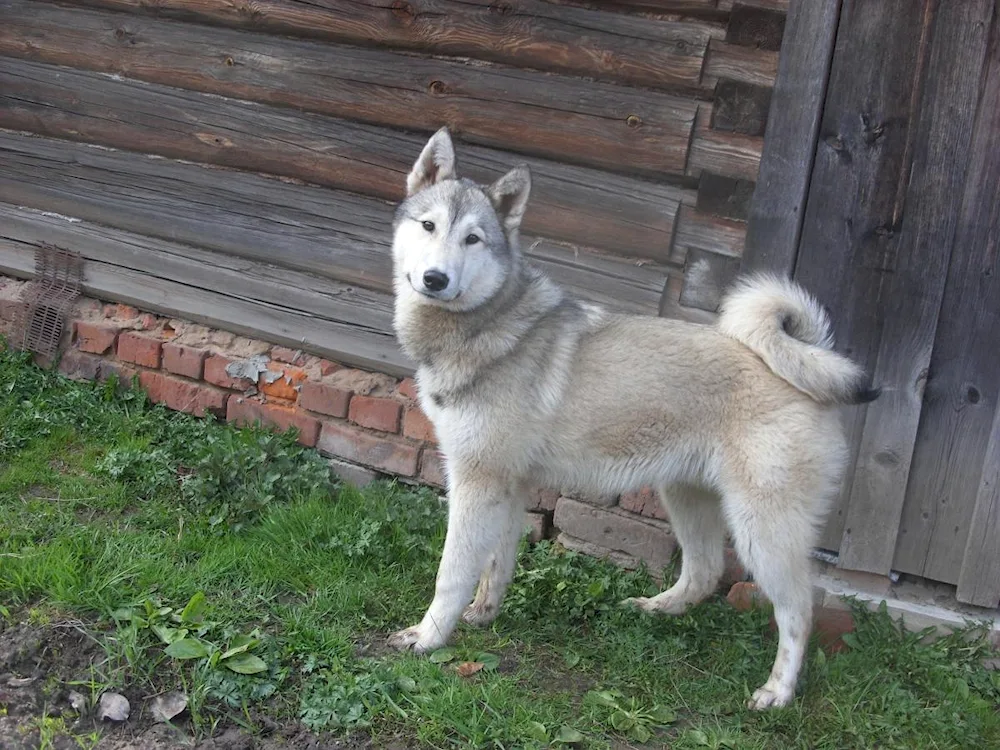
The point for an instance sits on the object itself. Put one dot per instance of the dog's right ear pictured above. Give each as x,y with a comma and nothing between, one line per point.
435,163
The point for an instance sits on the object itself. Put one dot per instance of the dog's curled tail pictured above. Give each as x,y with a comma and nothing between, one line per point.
787,328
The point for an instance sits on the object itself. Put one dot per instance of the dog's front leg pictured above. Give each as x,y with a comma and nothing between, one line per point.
479,515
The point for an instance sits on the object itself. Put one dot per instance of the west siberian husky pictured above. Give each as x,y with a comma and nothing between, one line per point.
526,386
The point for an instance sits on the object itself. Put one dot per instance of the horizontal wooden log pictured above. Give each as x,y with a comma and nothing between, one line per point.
576,204
754,26
527,33
732,62
331,233
247,297
740,107
779,5
615,127
703,231
722,152
706,278
724,196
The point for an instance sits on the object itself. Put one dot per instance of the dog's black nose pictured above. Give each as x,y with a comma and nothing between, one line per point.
435,280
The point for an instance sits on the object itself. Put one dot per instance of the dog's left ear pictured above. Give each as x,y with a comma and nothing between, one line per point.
435,163
509,196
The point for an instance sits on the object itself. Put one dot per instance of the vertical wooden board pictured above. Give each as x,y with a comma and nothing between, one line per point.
849,231
963,390
916,287
790,138
979,579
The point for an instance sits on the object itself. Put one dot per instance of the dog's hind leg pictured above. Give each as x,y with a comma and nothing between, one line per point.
479,519
696,520
497,576
773,540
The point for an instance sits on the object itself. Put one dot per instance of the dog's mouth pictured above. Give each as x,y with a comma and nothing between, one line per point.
427,293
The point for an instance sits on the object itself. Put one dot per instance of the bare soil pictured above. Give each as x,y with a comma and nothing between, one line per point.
39,665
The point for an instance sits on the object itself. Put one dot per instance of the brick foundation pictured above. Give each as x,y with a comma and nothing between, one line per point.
368,424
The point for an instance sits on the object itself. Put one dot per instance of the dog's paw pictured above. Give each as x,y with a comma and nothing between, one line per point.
405,640
638,602
480,615
770,696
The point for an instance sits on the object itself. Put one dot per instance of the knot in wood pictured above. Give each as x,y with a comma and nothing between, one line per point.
437,88
230,62
402,10
633,121
503,9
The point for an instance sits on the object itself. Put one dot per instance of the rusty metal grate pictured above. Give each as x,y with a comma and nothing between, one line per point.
46,300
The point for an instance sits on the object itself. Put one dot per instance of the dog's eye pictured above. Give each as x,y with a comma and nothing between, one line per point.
472,239
428,225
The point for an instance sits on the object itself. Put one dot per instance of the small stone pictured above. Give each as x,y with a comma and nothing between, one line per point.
167,706
113,706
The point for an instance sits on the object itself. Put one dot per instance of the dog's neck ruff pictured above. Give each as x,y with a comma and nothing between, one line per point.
455,344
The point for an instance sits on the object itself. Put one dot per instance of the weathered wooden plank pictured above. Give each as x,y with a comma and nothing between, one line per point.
706,277
248,297
724,196
754,26
790,138
963,389
740,107
533,34
979,578
335,234
715,234
570,203
780,5
916,287
850,233
735,63
721,152
619,128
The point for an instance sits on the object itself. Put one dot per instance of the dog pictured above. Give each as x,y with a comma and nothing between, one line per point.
735,423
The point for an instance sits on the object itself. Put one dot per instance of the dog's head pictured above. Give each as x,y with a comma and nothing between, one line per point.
455,242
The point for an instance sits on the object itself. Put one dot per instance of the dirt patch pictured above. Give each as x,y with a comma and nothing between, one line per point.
41,664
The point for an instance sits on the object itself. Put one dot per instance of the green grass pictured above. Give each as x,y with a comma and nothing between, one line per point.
124,515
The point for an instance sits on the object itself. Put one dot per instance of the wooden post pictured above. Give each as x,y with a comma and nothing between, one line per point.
790,138
915,287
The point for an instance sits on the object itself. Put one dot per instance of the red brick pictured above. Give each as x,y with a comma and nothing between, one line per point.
432,468
538,526
326,367
733,570
9,309
645,502
215,373
408,388
544,500
184,360
183,395
618,531
830,626
79,366
324,399
94,338
127,312
244,411
139,350
745,595
147,322
286,355
122,372
375,413
285,386
387,453
416,425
